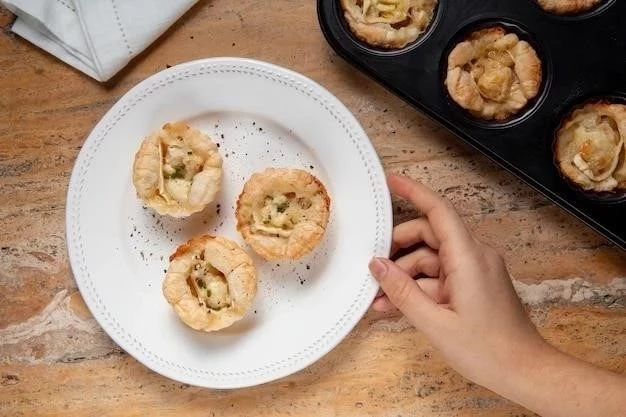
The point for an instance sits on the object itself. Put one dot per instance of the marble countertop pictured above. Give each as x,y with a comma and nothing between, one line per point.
54,358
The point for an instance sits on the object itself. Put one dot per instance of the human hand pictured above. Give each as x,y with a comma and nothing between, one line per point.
468,307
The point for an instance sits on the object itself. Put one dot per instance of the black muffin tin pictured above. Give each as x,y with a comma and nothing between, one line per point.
583,56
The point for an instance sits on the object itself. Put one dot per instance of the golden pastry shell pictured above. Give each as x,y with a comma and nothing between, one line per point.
306,235
385,36
228,258
615,196
149,178
569,7
533,79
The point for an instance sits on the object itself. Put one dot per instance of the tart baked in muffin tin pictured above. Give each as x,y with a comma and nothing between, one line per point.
565,7
388,24
493,73
589,147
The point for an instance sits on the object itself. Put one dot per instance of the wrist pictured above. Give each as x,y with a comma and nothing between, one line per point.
554,384
534,377
522,366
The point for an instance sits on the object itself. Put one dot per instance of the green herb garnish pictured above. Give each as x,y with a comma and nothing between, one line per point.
179,172
282,207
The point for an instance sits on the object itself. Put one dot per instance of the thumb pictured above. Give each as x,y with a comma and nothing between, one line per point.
404,292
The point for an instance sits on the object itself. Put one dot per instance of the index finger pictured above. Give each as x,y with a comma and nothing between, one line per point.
444,220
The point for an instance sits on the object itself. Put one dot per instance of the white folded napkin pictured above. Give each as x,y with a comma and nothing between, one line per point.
98,37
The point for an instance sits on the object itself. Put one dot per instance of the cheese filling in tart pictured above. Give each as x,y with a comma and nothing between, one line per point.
210,283
280,214
388,23
493,74
177,171
568,6
283,213
590,147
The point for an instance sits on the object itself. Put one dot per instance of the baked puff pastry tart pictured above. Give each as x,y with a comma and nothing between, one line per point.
177,170
283,213
211,283
589,147
389,24
568,6
493,74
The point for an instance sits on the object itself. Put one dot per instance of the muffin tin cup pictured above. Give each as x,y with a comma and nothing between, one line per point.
599,197
598,9
484,22
374,50
582,57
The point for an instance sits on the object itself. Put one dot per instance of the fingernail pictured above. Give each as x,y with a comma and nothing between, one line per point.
378,268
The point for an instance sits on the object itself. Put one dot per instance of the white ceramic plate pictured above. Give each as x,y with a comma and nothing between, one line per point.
262,116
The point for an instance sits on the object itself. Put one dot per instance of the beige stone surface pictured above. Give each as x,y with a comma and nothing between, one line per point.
55,359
